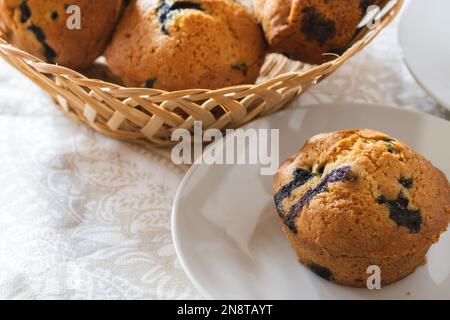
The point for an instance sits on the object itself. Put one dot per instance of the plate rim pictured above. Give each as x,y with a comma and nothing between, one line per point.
292,108
178,252
401,36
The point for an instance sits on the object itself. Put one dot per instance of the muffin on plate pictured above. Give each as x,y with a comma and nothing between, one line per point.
175,45
307,29
40,28
356,198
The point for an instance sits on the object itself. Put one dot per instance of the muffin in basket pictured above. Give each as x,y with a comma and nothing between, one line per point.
176,45
40,28
352,199
307,29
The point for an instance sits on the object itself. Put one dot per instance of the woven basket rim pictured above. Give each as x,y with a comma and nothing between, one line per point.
49,68
111,108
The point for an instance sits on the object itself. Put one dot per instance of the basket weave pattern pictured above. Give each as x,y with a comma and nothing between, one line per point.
149,116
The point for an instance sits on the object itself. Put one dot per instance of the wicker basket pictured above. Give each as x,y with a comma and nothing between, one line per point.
149,116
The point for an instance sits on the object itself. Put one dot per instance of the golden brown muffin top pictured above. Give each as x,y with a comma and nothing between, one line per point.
176,45
40,27
362,193
306,29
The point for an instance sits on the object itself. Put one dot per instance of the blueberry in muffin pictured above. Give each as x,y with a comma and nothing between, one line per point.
355,198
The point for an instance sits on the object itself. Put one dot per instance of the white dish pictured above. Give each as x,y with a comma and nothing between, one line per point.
227,234
424,36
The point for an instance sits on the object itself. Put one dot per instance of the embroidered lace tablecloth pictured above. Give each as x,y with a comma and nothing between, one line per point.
83,216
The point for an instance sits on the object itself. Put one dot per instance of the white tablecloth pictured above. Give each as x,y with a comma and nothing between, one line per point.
83,216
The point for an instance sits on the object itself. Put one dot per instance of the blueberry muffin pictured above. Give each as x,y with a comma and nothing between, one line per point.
40,28
175,45
306,29
352,199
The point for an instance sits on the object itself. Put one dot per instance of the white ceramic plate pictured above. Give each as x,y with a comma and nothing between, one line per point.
227,234
424,37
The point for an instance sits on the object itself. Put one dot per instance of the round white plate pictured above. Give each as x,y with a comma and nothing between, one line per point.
424,37
227,234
